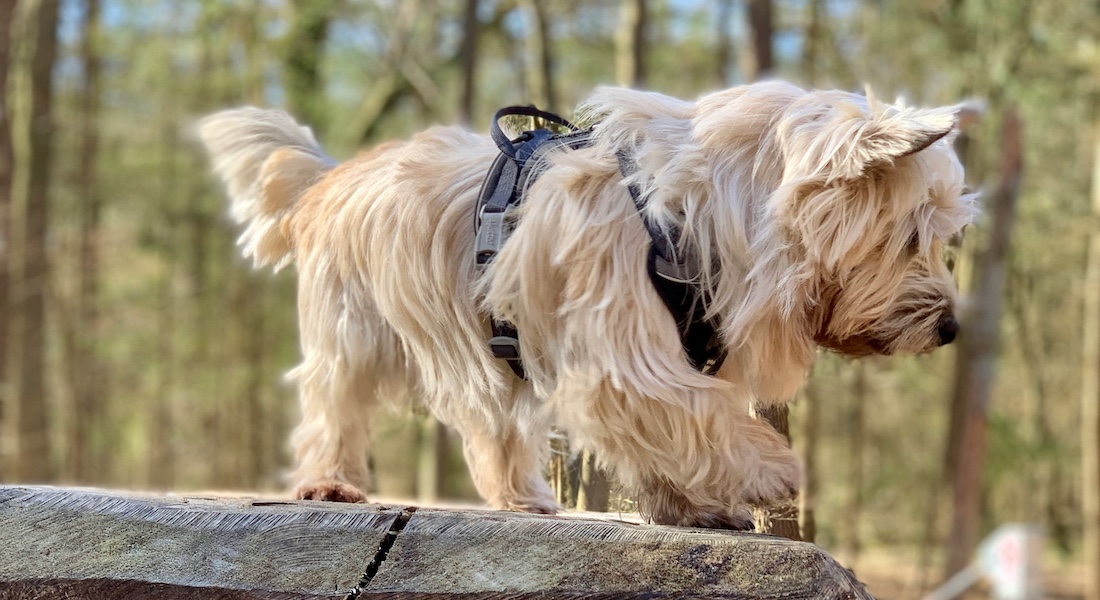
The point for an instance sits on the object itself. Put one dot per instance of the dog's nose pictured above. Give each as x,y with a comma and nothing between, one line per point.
947,330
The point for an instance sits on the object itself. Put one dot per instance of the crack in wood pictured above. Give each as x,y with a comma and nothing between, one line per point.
383,550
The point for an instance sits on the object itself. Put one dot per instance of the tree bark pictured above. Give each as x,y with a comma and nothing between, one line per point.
32,449
7,161
1090,393
631,43
976,354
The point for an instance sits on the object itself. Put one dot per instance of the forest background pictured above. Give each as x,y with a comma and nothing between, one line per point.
140,351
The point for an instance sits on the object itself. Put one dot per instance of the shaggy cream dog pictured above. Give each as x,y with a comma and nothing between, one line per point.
817,220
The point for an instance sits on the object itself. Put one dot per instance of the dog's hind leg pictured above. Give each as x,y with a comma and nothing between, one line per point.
352,360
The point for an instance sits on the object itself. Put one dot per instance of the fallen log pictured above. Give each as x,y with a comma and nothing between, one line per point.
65,543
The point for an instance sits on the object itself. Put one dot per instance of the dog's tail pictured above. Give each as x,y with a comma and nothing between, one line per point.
267,162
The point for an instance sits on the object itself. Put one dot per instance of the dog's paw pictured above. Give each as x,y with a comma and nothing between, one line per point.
778,477
330,491
738,519
538,506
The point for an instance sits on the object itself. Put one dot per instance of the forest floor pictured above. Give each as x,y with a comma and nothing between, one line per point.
892,575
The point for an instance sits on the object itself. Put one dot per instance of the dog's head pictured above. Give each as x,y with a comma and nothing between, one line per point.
870,193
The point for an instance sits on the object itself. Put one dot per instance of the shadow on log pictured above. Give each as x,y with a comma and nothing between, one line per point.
64,543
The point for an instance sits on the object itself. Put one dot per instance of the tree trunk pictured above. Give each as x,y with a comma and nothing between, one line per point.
1090,394
431,451
471,29
630,44
855,422
761,33
976,354
811,436
302,57
781,516
540,78
87,371
594,489
32,451
7,161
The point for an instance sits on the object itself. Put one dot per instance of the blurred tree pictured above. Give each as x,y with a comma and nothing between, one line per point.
33,456
760,61
631,43
1090,391
976,354
84,364
302,59
7,161
471,30
539,56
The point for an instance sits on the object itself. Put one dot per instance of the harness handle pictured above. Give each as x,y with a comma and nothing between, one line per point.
506,146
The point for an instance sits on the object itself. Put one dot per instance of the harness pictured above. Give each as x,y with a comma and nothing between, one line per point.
674,279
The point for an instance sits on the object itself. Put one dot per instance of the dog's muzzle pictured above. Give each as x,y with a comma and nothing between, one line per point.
947,330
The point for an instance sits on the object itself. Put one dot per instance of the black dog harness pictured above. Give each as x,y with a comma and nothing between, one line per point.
675,280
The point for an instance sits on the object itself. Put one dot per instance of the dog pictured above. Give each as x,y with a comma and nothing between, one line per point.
816,219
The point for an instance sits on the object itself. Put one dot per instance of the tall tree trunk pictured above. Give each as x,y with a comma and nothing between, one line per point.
811,436
86,364
855,421
811,47
302,58
430,460
594,488
631,41
976,353
7,162
761,33
540,78
1090,395
471,30
32,454
781,516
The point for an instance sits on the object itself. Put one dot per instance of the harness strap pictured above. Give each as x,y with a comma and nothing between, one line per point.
501,192
677,283
675,280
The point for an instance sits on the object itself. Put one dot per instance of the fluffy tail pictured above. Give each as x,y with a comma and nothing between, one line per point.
267,162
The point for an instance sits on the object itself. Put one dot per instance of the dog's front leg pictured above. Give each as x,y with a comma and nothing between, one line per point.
695,460
506,457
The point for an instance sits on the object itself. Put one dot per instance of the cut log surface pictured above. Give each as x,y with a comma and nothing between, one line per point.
72,543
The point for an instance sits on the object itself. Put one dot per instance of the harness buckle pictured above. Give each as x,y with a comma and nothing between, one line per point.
490,234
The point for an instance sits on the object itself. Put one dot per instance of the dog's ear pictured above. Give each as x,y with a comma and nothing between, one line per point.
906,131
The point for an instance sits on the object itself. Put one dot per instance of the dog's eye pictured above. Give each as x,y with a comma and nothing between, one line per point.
913,246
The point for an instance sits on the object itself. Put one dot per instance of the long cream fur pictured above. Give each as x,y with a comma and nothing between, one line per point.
817,218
